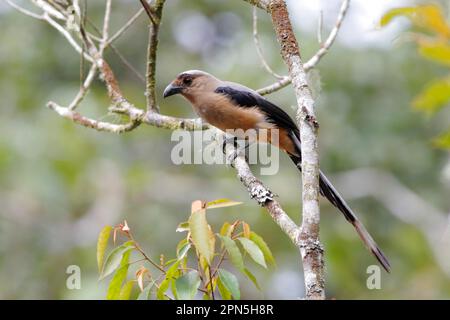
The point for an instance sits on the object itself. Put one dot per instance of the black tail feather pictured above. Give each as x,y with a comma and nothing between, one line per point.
328,191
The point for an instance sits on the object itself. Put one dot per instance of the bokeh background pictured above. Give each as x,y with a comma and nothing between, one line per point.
61,183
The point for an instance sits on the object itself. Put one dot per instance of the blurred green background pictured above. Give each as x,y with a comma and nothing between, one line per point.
61,183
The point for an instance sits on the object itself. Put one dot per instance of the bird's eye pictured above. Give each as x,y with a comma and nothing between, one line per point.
187,81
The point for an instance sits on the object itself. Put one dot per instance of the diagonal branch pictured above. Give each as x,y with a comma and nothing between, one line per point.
262,195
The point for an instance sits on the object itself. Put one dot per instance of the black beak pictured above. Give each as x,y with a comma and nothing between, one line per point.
171,90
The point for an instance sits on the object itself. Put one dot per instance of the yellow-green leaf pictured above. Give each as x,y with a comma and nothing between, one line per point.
183,227
443,141
429,17
434,96
102,243
202,236
233,252
246,229
230,282
268,256
224,230
171,274
252,278
114,258
125,292
224,292
161,292
254,251
393,13
222,203
438,51
116,283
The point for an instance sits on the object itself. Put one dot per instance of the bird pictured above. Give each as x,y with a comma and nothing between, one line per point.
233,106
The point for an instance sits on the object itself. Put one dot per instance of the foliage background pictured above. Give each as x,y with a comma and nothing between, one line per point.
61,183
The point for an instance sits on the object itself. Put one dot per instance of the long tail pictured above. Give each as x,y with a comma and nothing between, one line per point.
328,191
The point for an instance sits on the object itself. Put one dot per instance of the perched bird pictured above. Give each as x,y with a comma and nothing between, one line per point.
231,106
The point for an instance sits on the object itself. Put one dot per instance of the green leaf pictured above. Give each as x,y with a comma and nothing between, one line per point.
221,203
183,251
114,258
125,292
183,227
264,247
233,252
116,283
160,293
145,294
443,141
396,12
201,234
230,282
224,292
102,243
429,17
174,288
438,51
253,250
187,285
252,278
225,229
434,96
170,275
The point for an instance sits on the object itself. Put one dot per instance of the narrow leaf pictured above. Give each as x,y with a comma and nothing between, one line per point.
246,229
253,250
443,141
224,292
222,203
233,252
145,294
230,282
114,258
187,285
183,251
224,231
125,292
183,227
102,243
263,246
396,12
438,51
252,278
116,283
202,235
434,96
160,293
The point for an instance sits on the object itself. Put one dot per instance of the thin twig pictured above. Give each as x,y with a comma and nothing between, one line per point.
258,46
105,34
125,27
84,87
25,11
331,38
314,60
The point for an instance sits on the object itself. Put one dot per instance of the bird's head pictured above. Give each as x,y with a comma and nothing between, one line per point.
189,83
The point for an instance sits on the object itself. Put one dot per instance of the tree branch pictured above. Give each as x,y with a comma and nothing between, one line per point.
262,195
310,247
151,52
